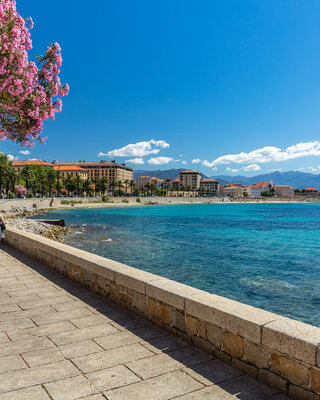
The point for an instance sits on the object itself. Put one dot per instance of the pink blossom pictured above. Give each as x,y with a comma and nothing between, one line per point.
28,90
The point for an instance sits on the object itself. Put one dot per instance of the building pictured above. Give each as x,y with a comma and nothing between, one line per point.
209,186
190,179
157,182
18,165
71,170
233,190
266,187
309,191
142,181
253,191
175,184
110,170
284,191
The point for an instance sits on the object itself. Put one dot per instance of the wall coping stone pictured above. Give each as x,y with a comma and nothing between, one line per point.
170,292
242,319
292,337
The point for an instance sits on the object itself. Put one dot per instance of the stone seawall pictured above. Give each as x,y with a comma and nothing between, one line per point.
281,352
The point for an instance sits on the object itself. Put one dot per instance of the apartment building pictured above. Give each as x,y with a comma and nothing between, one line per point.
284,191
18,165
71,170
157,182
142,181
253,191
210,186
266,187
175,184
233,190
110,170
190,179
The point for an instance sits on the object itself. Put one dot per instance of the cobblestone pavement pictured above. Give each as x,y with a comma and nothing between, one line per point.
60,341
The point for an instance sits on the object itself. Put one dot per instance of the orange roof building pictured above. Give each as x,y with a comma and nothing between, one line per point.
68,168
311,190
71,170
190,179
18,165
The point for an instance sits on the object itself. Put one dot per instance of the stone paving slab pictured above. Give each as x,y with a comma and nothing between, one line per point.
59,341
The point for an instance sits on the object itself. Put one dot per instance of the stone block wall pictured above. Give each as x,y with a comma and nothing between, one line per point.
281,352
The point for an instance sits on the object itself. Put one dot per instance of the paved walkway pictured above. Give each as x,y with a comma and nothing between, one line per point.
60,341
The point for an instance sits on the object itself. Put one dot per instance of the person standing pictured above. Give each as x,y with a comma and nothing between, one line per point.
2,227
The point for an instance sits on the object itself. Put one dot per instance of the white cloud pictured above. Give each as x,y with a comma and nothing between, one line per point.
208,164
252,167
139,149
270,153
180,155
232,170
184,162
25,152
137,160
196,161
12,158
215,169
160,160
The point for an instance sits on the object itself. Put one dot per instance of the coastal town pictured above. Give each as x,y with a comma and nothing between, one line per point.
34,178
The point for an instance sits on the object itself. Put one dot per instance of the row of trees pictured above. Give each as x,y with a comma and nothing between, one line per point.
41,180
38,180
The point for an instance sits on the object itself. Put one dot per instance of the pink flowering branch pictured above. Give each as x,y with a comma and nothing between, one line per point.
29,92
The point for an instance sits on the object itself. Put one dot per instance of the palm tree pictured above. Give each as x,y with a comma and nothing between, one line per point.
119,184
86,186
69,184
112,185
51,177
11,178
126,182
42,178
27,174
4,169
147,187
78,181
132,185
58,177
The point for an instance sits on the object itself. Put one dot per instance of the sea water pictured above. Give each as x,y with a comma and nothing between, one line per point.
265,255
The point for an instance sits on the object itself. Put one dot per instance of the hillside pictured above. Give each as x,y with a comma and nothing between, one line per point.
296,179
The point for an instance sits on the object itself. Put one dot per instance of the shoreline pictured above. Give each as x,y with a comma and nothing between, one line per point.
17,212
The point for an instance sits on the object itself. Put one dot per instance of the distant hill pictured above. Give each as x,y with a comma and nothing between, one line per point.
296,179
162,174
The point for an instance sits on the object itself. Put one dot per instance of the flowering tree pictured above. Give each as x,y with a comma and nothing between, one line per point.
19,190
28,90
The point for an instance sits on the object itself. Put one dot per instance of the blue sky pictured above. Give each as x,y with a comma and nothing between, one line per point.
193,80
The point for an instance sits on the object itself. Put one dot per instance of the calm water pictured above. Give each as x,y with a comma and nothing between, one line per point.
266,255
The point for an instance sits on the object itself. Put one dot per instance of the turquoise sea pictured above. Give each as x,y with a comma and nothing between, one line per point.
266,255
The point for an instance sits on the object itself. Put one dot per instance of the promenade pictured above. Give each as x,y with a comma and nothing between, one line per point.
61,341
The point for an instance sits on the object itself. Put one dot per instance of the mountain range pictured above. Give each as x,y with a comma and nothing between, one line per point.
296,179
